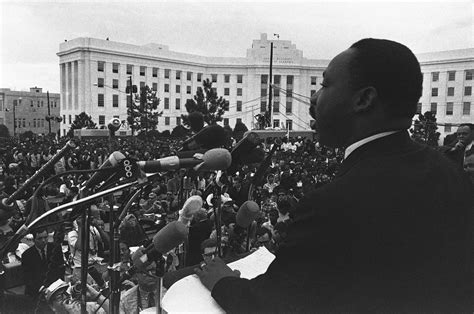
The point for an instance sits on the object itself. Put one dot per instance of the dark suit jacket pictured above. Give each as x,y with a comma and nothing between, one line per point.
36,271
391,233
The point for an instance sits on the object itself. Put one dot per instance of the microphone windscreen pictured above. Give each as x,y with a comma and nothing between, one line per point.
211,136
196,121
215,159
172,235
114,159
255,155
247,213
191,206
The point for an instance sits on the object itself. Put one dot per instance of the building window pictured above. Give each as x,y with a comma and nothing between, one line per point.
39,103
199,77
167,73
100,100
178,104
100,82
115,84
178,75
466,108
226,78
167,103
263,106
239,91
276,92
167,88
467,90
226,121
226,105
238,120
289,125
142,85
100,66
70,119
178,89
42,103
64,118
188,90
450,91
189,76
32,103
214,90
264,79
447,127
277,79
313,80
34,123
263,92
214,78
276,123
289,107
434,92
178,120
226,91
154,87
276,106
155,72
142,70
289,93
239,105
418,108
115,101
451,75
434,107
435,76
115,67
469,75
449,108
129,69
240,79
167,120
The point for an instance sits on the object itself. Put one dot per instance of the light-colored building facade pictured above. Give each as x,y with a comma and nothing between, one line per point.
95,73
29,110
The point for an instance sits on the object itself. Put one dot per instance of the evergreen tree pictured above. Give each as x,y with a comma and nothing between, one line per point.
82,121
142,115
208,103
179,131
424,129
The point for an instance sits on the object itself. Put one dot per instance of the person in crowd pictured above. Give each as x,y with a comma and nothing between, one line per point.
174,184
42,263
239,191
131,231
271,184
463,147
392,232
142,295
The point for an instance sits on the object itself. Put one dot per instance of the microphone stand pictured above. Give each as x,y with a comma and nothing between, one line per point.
159,272
216,204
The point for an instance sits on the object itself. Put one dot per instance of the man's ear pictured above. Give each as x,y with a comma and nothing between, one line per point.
364,99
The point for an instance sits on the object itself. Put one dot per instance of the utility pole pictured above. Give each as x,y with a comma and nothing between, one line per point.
270,87
49,113
130,90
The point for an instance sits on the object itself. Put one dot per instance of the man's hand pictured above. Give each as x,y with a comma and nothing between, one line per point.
210,273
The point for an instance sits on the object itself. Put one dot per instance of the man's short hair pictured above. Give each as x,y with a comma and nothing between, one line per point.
470,125
392,69
38,231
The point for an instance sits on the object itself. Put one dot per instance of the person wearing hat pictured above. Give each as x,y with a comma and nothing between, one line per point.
59,296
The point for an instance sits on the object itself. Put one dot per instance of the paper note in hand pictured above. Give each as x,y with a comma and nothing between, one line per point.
189,295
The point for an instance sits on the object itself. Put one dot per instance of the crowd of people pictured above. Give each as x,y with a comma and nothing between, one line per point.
297,166
384,225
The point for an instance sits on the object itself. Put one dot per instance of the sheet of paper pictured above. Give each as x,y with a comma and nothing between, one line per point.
189,295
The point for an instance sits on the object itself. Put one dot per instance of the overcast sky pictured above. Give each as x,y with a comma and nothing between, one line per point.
30,33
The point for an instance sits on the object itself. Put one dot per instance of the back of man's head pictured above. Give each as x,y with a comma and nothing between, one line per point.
393,70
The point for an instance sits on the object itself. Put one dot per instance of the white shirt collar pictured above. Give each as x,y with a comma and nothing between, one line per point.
364,141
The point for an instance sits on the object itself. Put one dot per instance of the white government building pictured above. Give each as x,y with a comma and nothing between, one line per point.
95,73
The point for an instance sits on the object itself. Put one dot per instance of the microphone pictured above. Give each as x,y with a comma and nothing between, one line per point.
209,137
246,152
247,213
190,207
172,235
114,124
196,121
213,159
114,159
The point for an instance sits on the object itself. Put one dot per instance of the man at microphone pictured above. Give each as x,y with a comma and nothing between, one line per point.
392,232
